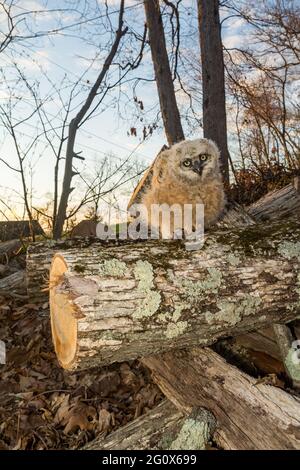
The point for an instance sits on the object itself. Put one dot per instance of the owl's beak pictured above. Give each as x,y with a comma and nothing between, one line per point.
198,166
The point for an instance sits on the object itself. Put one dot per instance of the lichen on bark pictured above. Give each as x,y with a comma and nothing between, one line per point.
231,312
289,250
211,283
176,329
112,267
143,273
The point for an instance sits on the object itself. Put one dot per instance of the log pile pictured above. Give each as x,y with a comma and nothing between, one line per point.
277,204
116,301
249,415
12,271
164,428
18,229
120,301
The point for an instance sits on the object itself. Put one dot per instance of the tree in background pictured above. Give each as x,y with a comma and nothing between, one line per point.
213,86
163,76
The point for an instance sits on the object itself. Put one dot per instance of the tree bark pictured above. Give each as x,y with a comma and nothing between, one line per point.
119,301
163,76
15,282
214,107
162,428
14,229
277,204
39,255
249,415
261,341
9,249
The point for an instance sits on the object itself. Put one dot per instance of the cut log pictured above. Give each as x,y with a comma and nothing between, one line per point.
19,229
249,415
162,428
119,301
38,262
14,283
277,204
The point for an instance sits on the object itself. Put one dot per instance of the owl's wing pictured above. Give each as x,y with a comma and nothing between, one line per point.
145,182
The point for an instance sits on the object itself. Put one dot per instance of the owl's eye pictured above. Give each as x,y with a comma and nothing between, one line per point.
203,157
187,163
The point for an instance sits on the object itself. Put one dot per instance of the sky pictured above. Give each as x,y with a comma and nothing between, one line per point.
62,59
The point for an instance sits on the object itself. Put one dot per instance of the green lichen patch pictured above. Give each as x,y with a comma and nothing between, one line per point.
211,284
148,306
292,363
193,435
232,312
233,259
289,250
112,267
177,312
143,273
169,316
176,329
164,317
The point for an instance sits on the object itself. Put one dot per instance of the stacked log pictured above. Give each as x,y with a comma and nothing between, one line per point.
120,301
277,204
249,415
163,428
13,229
114,301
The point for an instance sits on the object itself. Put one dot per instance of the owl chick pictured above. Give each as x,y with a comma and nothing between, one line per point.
187,173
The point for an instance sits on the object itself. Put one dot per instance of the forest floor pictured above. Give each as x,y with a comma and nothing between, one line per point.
43,406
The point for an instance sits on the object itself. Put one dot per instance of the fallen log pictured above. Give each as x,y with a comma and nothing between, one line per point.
40,254
162,428
112,302
8,249
13,229
15,282
235,216
249,415
277,204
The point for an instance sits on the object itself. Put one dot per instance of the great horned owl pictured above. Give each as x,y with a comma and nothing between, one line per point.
187,173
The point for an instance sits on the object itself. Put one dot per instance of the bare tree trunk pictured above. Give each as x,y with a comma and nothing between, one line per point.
214,108
73,128
163,76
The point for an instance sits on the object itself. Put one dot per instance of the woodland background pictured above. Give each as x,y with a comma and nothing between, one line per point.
90,91
81,115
